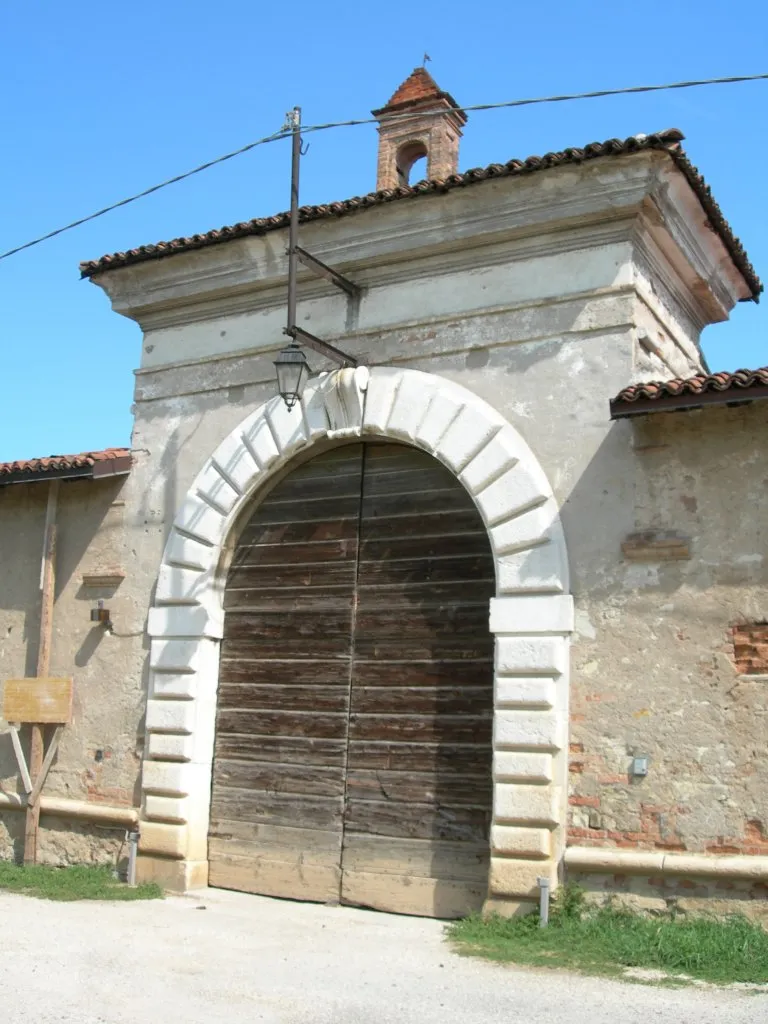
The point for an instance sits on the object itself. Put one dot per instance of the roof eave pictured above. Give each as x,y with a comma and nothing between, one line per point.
120,466
621,410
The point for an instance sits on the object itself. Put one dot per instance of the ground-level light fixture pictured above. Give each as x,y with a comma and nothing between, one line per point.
291,363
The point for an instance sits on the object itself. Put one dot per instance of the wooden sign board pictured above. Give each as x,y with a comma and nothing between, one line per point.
42,701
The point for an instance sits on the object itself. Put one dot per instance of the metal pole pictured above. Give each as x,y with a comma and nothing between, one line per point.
133,849
543,902
294,119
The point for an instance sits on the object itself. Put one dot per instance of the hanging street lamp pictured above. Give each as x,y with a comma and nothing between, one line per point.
291,363
292,372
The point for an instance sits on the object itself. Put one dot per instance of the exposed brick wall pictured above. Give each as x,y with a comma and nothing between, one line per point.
750,648
435,137
656,828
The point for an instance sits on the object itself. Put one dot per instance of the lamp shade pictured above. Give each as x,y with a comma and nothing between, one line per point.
292,372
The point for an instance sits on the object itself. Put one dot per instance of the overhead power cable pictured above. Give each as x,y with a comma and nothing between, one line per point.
306,129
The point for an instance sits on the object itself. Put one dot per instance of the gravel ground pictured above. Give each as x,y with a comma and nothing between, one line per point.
247,959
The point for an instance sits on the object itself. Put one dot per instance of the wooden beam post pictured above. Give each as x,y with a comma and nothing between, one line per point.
48,587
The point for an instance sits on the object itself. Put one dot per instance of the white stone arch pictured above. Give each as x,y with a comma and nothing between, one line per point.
531,614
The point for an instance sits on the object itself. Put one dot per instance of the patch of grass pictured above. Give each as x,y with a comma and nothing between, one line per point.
73,883
607,940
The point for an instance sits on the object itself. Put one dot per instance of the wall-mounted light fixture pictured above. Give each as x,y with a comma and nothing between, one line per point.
291,364
100,614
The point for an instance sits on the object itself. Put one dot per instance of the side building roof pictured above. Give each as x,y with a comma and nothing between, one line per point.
89,465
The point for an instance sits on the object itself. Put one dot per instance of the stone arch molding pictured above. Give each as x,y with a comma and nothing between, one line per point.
531,615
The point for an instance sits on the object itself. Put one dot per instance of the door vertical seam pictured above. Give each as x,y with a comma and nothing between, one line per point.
352,638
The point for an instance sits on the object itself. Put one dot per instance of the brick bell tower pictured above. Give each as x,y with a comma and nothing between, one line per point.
431,129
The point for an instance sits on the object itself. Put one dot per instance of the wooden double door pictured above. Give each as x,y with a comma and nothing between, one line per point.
353,743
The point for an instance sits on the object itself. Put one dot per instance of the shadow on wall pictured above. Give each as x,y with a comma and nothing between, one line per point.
12,824
8,765
82,509
690,474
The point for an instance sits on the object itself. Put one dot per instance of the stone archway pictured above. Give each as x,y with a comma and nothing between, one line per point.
531,615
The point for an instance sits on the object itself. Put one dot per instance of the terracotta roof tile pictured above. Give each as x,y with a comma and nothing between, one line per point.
109,462
667,141
691,392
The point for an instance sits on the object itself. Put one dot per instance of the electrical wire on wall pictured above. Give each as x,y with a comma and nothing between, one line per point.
284,132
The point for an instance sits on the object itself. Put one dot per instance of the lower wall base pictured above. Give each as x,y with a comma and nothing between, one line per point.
657,895
174,875
508,907
64,842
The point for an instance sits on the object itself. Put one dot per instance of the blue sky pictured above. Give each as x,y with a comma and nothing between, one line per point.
103,101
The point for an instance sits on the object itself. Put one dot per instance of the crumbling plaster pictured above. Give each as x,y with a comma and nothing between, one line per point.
100,752
653,662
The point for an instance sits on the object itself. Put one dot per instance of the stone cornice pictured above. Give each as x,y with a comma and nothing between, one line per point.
530,213
271,295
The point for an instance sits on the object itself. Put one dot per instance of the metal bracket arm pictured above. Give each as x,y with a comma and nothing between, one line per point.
320,268
323,347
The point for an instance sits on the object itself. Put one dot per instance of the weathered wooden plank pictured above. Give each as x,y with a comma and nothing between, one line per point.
41,700
282,723
289,879
411,479
462,672
277,648
437,788
420,546
297,532
417,821
285,697
423,648
50,753
427,522
21,760
272,513
286,635
424,621
276,842
422,570
384,506
260,672
307,574
427,700
274,778
283,809
448,758
289,554
45,636
312,601
425,729
410,894
389,595
299,750
423,858
303,486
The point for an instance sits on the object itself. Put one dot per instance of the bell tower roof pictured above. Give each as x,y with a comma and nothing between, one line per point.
418,88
